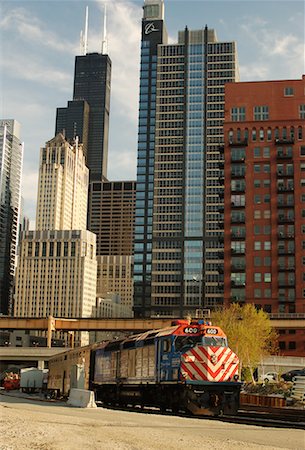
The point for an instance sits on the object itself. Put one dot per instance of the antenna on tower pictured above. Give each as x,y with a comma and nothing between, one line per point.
104,41
86,33
84,36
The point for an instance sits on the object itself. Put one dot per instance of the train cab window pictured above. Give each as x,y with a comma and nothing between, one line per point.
215,341
183,342
166,345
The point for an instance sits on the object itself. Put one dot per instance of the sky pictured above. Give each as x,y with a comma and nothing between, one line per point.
40,39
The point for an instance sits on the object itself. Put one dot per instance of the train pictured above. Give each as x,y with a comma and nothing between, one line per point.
187,366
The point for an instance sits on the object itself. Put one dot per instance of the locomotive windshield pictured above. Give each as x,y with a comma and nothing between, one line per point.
215,341
182,342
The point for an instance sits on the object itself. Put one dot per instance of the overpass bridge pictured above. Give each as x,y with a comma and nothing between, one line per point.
279,321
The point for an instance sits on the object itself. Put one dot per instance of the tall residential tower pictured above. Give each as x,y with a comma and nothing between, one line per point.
181,249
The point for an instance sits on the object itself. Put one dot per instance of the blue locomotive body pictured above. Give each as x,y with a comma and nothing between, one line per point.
172,368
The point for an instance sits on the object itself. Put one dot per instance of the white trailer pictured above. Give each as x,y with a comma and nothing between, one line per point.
33,379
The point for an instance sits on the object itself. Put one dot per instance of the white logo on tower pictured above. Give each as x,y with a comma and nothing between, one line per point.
149,28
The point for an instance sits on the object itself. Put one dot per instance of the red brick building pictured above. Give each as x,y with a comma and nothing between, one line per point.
264,218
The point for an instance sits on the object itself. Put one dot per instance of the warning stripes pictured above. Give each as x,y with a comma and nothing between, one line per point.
209,363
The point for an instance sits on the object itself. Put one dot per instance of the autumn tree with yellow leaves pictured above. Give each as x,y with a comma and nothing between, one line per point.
249,333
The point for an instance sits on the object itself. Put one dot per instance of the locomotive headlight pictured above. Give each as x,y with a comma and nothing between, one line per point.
214,359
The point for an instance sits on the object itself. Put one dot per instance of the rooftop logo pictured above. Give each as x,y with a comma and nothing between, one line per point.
150,28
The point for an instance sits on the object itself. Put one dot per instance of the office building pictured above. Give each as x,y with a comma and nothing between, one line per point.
87,116
179,202
11,158
111,208
265,199
62,186
111,212
56,275
115,274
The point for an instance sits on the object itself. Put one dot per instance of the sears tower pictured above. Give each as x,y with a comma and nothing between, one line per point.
87,115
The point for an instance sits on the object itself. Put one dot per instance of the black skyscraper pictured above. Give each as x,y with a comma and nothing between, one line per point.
92,76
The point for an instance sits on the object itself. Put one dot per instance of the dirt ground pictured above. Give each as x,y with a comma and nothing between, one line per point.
26,424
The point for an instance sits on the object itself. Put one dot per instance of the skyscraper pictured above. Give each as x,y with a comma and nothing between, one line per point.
62,186
153,34
265,199
111,213
56,273
181,246
88,114
11,156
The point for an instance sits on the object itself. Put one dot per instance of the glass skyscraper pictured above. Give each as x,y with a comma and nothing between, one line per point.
185,255
153,34
11,157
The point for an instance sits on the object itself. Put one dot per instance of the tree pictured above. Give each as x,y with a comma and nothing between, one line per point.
250,333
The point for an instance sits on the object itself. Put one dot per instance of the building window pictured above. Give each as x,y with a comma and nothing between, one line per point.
238,114
257,277
292,345
282,345
267,245
257,152
267,293
257,293
288,91
267,277
302,111
257,245
257,214
261,112
257,261
266,152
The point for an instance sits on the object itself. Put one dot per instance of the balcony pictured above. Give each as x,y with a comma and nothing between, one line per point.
239,219
282,188
238,142
238,175
239,251
285,251
283,174
238,268
286,268
282,155
286,283
238,283
221,148
282,235
221,165
282,141
221,209
238,236
281,204
238,189
285,219
221,181
221,255
238,159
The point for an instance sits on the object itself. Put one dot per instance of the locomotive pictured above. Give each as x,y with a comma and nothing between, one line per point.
186,366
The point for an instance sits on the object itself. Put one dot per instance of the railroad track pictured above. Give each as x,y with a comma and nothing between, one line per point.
271,418
265,417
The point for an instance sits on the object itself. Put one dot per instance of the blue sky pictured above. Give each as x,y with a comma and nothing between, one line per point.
39,40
